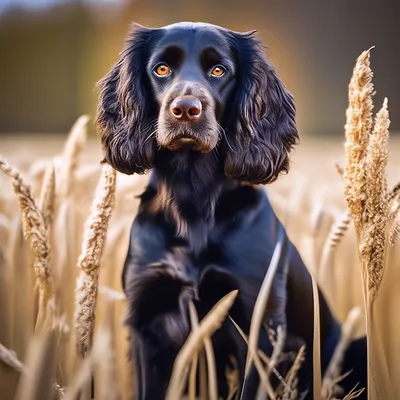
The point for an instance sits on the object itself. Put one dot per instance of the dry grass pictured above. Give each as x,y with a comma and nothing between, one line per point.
334,371
368,201
72,220
35,229
90,260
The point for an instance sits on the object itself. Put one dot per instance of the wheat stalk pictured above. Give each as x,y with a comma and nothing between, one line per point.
193,369
357,129
334,368
277,351
260,354
354,394
82,377
342,225
374,238
338,231
394,232
259,313
368,201
290,389
335,236
72,149
90,259
261,303
317,385
38,381
257,358
10,358
47,196
339,169
34,228
107,374
394,192
212,321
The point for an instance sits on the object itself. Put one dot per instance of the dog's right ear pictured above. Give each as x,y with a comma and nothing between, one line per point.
125,112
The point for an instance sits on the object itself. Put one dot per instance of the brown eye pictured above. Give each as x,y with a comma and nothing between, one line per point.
162,70
218,71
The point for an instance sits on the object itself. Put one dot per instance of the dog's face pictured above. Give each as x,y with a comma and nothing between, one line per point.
197,86
192,73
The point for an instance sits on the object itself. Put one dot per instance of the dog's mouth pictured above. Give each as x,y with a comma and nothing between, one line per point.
188,142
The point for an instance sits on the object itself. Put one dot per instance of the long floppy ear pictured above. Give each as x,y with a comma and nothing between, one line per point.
264,117
125,112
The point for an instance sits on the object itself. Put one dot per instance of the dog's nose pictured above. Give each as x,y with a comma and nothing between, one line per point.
186,108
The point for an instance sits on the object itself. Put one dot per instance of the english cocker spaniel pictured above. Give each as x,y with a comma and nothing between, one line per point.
203,108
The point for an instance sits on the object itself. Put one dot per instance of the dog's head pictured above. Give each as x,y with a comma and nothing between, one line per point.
197,86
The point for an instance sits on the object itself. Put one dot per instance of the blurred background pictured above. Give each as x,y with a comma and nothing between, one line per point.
53,52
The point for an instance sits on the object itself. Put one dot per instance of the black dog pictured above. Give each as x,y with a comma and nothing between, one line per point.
204,109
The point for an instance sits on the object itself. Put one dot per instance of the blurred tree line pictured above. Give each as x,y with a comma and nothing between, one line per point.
51,59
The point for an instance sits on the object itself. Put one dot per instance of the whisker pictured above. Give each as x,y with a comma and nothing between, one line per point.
221,129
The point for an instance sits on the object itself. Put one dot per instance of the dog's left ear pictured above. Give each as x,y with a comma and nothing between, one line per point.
265,127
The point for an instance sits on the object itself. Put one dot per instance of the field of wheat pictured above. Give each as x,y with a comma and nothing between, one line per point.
64,230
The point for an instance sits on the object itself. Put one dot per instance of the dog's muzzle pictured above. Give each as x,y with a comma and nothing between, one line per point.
187,120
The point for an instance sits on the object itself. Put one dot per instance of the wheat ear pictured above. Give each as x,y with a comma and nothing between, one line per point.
34,228
47,195
373,245
357,130
367,198
339,229
90,259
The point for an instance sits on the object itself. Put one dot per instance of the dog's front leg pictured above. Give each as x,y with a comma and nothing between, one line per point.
154,359
158,296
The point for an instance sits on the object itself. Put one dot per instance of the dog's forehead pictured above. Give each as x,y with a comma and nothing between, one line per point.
192,35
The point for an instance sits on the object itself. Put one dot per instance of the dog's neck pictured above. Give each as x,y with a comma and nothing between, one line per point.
186,186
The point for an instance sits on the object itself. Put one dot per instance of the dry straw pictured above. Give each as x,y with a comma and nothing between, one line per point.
273,362
194,321
34,228
334,369
368,201
373,246
338,231
259,313
212,321
290,391
259,358
395,229
38,381
47,196
261,303
326,268
90,259
107,381
357,130
341,226
10,358
339,169
209,351
317,385
72,149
